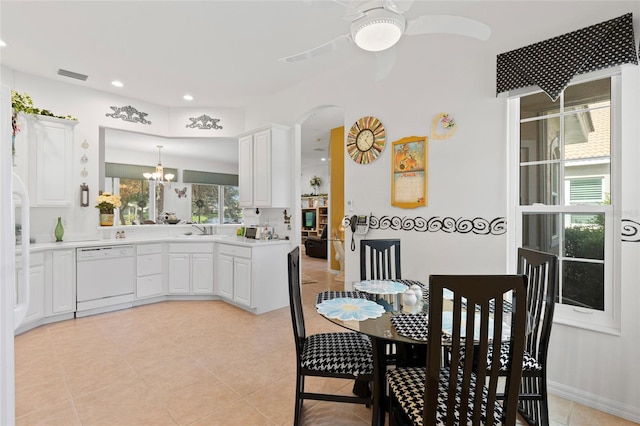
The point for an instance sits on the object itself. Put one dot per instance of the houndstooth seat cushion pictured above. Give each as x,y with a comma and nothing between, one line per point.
344,353
529,363
407,384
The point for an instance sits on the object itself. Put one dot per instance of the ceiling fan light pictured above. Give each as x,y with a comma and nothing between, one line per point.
378,30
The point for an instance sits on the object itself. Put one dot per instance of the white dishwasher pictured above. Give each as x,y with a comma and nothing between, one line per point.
105,279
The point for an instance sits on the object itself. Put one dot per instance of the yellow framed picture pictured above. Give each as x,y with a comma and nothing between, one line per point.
409,172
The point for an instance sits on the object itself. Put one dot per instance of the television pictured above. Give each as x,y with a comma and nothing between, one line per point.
310,219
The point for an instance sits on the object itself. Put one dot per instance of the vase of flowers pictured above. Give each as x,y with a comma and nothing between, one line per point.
106,203
315,183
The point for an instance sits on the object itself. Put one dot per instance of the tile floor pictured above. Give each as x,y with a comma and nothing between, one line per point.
189,363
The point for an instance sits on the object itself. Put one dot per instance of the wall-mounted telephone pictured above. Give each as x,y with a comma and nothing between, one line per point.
359,225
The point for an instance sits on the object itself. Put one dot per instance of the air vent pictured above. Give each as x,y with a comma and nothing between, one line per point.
72,74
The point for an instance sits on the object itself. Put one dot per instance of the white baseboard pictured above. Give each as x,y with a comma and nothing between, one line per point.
598,402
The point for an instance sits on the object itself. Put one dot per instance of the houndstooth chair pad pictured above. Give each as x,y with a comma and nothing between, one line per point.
407,384
343,353
327,295
529,363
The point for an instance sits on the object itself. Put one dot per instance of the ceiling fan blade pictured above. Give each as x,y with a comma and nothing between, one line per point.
334,44
385,59
447,24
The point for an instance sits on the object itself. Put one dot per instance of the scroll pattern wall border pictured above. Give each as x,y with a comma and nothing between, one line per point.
128,113
630,231
450,225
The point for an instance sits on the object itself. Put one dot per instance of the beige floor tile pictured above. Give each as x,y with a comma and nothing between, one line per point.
238,413
63,413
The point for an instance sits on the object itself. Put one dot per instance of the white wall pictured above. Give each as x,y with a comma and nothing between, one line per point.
467,173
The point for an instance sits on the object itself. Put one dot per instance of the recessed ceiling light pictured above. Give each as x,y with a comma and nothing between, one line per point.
117,83
323,159
187,97
2,43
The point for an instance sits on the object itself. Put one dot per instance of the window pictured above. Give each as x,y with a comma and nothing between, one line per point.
563,200
207,201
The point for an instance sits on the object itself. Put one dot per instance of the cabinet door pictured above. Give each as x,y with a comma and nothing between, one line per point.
202,273
242,281
179,273
36,293
53,148
224,280
149,285
63,298
262,169
245,171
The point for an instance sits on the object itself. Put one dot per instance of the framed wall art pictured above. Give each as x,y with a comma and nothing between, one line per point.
409,172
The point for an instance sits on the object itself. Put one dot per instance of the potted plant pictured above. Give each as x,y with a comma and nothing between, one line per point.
315,184
107,203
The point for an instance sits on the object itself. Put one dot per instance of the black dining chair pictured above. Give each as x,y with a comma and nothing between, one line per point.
454,393
380,259
345,355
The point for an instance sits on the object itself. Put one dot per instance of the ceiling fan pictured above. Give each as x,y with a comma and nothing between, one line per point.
378,25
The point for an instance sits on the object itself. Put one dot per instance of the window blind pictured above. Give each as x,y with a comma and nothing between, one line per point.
193,176
551,64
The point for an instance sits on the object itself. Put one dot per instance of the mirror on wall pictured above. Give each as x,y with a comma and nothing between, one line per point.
125,156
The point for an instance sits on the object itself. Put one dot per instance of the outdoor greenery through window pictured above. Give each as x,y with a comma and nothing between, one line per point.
215,204
565,188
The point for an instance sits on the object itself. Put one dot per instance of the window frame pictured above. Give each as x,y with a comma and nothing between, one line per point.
608,320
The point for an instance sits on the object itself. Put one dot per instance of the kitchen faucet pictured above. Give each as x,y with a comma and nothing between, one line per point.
205,230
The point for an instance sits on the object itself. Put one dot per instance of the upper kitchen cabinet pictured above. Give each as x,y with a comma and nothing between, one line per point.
44,149
264,169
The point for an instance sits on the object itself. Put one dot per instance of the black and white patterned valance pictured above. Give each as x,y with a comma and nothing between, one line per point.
551,64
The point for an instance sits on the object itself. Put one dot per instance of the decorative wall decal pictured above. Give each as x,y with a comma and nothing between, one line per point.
443,121
129,113
630,231
204,122
181,192
477,225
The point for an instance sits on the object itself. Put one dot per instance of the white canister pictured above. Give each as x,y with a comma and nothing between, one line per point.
409,298
417,290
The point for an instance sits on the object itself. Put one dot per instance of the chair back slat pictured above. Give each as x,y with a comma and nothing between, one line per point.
380,259
295,299
484,323
541,270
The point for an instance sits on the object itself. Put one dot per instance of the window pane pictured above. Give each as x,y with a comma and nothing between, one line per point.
539,140
204,203
232,210
134,194
588,134
538,105
540,231
584,236
582,285
540,184
585,95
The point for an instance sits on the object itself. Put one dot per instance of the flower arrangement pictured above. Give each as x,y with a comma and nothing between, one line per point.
106,202
315,182
447,122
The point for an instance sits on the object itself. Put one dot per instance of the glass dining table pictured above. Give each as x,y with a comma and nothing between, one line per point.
378,315
375,309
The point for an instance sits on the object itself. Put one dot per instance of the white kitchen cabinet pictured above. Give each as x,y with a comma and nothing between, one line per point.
37,278
191,268
149,282
44,150
265,168
61,295
254,278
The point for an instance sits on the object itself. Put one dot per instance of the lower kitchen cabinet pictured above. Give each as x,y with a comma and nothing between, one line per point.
191,268
60,297
149,282
254,278
37,278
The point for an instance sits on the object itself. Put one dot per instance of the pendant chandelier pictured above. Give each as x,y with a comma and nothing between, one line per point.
158,176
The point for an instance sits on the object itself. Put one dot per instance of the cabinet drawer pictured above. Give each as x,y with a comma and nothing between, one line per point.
191,248
235,250
148,248
149,264
149,286
34,259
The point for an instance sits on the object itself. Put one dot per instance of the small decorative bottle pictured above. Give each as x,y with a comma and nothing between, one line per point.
59,232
